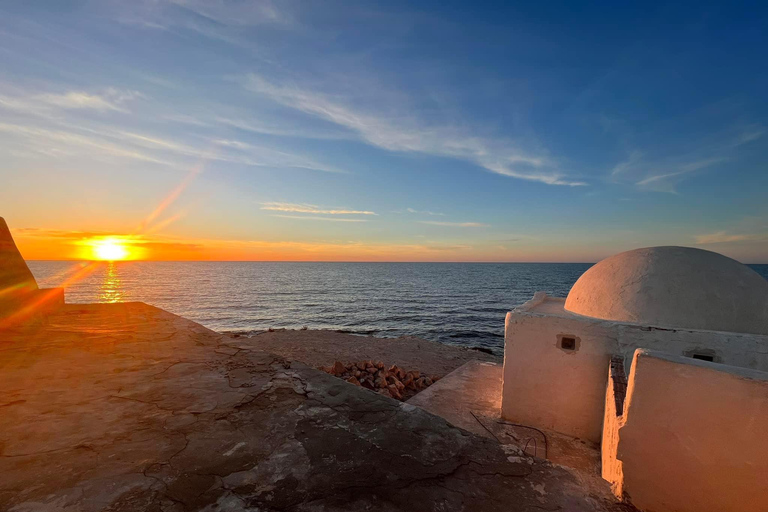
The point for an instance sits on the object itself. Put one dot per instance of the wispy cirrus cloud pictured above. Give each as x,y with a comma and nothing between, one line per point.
724,237
221,20
454,224
664,173
238,13
395,129
311,208
76,99
111,99
665,181
186,119
314,217
63,143
47,124
424,212
279,129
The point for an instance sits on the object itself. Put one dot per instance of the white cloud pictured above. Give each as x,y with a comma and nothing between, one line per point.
310,208
393,129
58,143
312,217
748,135
43,103
222,20
635,158
237,13
424,212
663,174
723,237
52,113
185,119
49,124
454,224
76,99
665,181
84,139
274,128
217,150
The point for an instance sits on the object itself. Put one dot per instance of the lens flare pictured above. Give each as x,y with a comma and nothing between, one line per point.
109,249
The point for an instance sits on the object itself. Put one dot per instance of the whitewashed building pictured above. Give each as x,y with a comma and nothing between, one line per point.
580,366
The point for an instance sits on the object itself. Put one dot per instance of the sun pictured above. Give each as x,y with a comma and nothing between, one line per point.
109,249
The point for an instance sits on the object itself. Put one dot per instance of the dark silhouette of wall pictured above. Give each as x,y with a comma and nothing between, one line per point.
20,297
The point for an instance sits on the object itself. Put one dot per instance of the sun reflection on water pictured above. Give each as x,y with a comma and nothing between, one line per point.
111,287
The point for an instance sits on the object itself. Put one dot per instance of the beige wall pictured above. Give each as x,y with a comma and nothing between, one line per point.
693,436
546,387
611,467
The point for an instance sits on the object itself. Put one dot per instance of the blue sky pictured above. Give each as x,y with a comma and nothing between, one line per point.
417,131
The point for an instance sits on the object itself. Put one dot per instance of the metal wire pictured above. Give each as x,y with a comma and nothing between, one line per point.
535,444
546,443
486,428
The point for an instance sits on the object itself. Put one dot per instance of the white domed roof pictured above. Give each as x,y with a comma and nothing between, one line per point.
677,287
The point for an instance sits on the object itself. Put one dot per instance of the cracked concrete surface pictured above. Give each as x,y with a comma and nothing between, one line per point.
125,407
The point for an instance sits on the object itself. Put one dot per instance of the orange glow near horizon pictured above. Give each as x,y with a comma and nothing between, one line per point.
150,240
111,248
43,244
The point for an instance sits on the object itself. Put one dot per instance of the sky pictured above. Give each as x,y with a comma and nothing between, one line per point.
383,131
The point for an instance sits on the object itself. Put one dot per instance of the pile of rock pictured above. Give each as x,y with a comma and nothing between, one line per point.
393,381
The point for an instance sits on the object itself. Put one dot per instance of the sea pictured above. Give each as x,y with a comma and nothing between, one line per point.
454,303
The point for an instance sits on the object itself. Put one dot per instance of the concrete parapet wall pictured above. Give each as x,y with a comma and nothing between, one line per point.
692,436
14,272
20,297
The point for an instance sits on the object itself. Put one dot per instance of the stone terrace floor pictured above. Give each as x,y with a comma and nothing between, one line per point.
127,407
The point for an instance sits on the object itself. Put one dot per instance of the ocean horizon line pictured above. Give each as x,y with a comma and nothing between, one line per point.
347,261
332,261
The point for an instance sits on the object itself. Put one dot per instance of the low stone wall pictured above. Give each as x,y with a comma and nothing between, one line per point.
691,436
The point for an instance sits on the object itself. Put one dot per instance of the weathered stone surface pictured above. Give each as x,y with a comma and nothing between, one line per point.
321,348
125,407
470,398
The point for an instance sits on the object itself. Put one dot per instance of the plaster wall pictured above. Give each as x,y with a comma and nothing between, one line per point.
546,386
611,467
729,348
702,420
